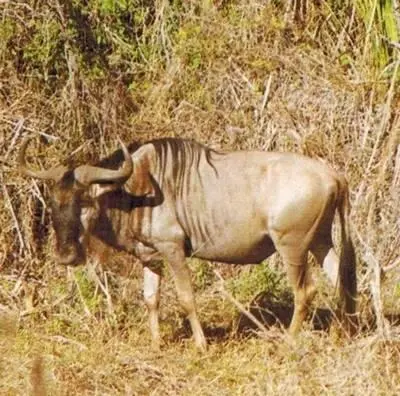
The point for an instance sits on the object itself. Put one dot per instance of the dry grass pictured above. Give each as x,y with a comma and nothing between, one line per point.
231,76
100,361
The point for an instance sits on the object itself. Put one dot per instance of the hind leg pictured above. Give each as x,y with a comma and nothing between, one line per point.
326,256
303,289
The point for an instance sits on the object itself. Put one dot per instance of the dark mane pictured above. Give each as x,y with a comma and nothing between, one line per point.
115,160
179,159
184,151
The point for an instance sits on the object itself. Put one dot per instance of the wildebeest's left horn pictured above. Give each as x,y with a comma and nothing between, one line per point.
49,174
87,174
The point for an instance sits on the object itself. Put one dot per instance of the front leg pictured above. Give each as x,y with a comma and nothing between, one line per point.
174,253
151,294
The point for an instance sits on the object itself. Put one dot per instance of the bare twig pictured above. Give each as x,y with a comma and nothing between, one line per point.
85,307
379,136
64,340
17,131
82,146
35,310
369,29
266,94
375,284
104,287
385,118
238,305
243,76
391,266
14,124
395,247
38,194
396,171
22,245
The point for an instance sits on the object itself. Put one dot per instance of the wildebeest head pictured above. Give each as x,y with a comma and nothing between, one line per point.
70,198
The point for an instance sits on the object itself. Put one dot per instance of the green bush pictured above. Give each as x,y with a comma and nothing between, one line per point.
258,279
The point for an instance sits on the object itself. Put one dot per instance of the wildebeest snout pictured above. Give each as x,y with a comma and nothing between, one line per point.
71,254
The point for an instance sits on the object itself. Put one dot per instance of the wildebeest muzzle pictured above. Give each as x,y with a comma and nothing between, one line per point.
71,254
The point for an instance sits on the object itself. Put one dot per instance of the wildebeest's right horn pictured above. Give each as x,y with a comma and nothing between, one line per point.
50,174
87,174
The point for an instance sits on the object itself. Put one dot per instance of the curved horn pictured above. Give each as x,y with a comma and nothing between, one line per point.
87,174
50,174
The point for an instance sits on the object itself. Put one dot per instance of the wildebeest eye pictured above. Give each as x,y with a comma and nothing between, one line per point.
85,200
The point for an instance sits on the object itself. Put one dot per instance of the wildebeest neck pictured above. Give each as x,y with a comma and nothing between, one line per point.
121,216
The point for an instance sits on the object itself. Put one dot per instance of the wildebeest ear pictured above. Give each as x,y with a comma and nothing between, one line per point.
100,189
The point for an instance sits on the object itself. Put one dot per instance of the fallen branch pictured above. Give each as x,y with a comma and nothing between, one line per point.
239,305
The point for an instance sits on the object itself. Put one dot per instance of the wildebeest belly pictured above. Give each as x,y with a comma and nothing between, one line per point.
235,251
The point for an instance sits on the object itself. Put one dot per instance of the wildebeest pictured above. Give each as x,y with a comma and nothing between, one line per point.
174,198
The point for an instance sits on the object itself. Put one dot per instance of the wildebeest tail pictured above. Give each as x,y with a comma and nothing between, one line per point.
348,276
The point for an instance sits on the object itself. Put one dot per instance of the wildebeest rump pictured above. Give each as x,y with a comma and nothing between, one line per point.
173,198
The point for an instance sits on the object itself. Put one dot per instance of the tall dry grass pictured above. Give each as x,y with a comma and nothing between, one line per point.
233,75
